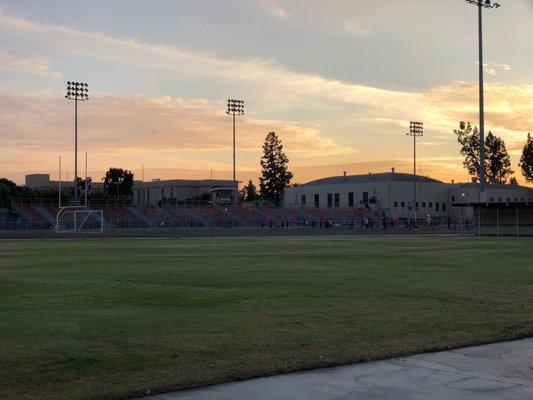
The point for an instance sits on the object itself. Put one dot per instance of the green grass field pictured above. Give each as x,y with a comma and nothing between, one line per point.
110,319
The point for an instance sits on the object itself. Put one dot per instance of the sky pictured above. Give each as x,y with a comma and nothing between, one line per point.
337,80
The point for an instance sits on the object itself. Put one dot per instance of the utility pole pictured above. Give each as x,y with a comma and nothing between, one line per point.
235,107
416,130
481,4
76,91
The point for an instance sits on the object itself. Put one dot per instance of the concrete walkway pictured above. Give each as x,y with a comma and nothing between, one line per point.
502,371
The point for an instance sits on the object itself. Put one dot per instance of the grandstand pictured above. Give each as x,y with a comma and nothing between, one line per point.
42,214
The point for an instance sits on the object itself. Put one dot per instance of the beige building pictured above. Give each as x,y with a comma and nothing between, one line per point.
392,193
42,181
155,191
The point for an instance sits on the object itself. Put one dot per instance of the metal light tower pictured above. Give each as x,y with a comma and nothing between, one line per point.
235,107
481,4
416,129
76,91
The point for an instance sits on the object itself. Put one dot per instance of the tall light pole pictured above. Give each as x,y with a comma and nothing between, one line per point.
416,129
76,91
235,107
481,4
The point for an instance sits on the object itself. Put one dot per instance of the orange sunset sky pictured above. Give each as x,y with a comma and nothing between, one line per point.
338,81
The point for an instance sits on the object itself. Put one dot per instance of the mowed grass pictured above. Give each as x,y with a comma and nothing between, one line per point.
110,319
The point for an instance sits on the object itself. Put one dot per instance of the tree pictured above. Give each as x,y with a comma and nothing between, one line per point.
498,165
275,175
118,182
5,197
249,191
9,190
526,161
81,185
497,160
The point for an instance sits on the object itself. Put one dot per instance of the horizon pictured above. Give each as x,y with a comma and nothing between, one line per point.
159,75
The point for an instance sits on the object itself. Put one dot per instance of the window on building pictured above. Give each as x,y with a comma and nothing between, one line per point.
317,200
162,192
302,202
365,197
491,199
337,199
417,204
444,207
437,208
350,199
430,204
395,204
423,204
453,199
403,204
171,192
330,200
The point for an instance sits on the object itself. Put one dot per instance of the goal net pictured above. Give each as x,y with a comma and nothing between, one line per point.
77,220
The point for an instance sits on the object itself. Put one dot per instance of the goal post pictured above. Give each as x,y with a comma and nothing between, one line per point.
79,219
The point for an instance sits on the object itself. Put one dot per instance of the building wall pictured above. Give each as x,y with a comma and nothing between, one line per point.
179,189
395,197
37,181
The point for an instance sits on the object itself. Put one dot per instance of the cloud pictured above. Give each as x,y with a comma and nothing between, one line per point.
272,7
493,68
354,28
41,66
282,86
508,108
114,123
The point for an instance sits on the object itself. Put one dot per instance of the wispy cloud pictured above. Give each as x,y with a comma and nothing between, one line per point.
508,108
354,28
287,87
118,123
33,65
273,8
494,69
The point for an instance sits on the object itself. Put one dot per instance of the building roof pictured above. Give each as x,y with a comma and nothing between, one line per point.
365,178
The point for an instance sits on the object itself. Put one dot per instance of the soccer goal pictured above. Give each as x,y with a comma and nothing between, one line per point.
79,220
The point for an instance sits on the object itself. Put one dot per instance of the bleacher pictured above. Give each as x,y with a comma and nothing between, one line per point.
127,216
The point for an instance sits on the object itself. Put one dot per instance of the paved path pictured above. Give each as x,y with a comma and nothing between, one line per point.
502,371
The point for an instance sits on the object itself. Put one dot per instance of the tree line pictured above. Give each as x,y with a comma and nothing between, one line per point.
498,167
118,185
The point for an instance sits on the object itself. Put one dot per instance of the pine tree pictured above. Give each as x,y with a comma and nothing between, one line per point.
497,160
249,192
526,161
275,175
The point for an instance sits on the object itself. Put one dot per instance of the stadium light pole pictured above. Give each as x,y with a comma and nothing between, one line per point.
76,91
235,107
481,4
416,129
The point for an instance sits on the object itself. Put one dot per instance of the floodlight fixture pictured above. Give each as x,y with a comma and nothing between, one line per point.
77,91
416,129
235,108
